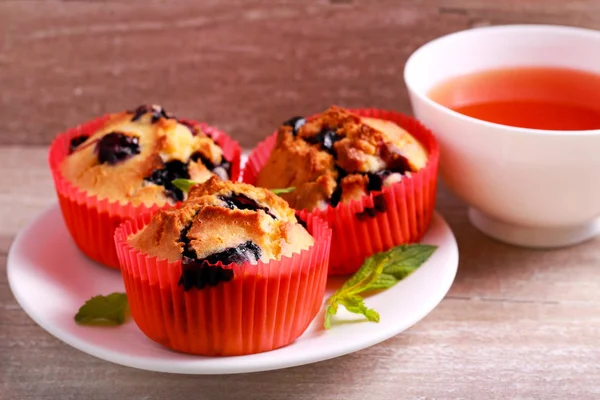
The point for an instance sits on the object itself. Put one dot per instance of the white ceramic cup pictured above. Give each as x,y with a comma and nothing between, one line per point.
528,187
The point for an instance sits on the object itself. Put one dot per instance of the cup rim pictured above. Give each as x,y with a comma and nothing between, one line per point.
483,30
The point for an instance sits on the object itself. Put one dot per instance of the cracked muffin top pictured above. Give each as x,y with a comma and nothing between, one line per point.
338,157
136,155
227,222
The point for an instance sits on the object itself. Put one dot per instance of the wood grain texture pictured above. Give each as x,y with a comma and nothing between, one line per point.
517,324
243,66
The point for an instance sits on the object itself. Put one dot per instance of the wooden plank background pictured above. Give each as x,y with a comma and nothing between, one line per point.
244,66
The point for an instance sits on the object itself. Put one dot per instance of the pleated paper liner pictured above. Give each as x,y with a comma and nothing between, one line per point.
398,214
264,306
92,221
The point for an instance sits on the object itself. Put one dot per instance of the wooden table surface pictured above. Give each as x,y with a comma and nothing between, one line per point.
517,323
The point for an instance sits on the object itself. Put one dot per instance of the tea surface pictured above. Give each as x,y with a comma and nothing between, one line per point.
527,97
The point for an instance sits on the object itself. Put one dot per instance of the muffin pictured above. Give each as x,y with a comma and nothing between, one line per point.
122,165
230,271
136,155
338,157
371,174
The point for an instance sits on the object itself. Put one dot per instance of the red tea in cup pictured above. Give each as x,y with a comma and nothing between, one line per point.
527,97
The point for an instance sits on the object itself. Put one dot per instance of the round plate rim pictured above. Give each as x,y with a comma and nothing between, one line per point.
99,351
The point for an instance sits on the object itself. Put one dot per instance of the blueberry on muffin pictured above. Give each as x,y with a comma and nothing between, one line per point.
222,222
338,157
135,156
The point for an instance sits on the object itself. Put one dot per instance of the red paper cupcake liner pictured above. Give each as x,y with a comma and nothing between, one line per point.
398,214
264,307
92,221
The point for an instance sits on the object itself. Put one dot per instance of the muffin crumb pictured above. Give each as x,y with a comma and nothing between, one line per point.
338,157
135,155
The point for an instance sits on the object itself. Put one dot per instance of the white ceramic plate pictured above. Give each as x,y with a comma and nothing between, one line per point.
51,279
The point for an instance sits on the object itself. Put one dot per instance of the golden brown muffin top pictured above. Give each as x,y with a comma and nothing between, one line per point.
227,222
136,155
337,157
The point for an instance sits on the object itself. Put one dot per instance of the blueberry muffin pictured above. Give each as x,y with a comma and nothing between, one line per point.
120,166
230,271
135,155
371,174
223,222
339,156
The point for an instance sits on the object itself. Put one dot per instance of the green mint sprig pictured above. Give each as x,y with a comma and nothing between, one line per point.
380,271
185,184
283,190
101,310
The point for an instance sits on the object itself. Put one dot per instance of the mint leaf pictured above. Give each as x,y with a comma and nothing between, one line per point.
407,258
380,271
330,312
356,304
383,281
108,310
353,303
372,315
284,190
183,184
365,275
